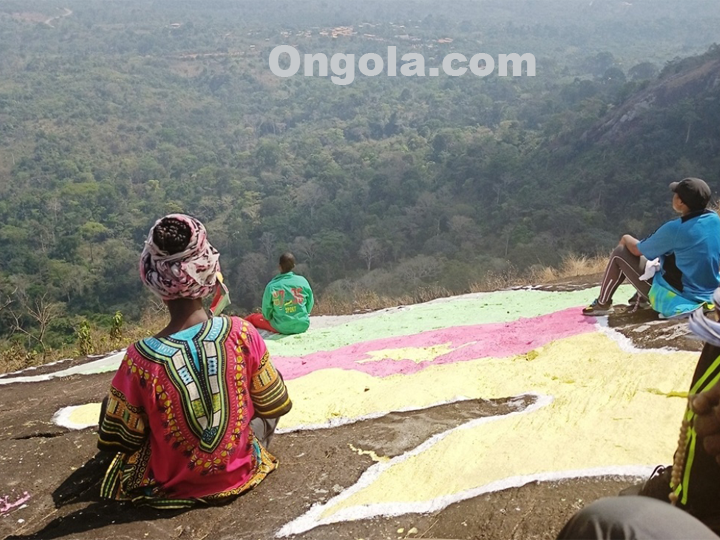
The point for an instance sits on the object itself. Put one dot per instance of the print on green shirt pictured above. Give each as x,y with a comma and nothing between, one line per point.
287,303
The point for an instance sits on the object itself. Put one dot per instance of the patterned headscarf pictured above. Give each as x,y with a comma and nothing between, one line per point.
188,274
704,328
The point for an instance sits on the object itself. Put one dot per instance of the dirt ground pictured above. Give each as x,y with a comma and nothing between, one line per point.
61,470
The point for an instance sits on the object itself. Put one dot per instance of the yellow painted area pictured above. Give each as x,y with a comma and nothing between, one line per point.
337,393
85,415
610,409
371,453
415,354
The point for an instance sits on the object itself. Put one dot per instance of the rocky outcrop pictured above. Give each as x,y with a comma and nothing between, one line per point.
696,81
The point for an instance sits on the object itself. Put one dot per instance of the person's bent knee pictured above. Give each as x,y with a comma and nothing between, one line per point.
633,517
619,251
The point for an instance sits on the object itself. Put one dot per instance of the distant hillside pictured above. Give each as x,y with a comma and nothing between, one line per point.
688,90
617,168
112,114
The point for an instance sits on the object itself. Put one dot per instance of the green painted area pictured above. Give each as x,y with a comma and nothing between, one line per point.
495,307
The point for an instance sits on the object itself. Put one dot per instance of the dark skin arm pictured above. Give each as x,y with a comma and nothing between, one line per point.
630,242
706,406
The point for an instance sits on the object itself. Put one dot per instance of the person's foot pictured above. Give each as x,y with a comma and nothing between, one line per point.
596,309
656,487
643,303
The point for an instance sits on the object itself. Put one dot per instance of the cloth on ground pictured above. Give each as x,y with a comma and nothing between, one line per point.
191,273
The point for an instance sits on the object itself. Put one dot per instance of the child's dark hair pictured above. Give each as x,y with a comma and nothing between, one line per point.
172,235
287,262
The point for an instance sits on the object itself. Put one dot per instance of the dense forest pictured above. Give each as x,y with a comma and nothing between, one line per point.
115,113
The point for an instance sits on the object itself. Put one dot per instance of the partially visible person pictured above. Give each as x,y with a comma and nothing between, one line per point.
191,410
688,250
287,302
681,501
634,518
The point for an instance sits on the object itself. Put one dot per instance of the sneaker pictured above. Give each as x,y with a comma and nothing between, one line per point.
638,302
656,487
596,309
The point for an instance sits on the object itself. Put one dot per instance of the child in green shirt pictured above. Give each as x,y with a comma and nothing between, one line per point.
287,302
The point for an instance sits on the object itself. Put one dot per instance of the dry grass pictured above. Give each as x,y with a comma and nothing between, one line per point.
363,301
14,357
571,266
581,265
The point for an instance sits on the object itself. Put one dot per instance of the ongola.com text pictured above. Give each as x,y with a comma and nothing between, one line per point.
343,65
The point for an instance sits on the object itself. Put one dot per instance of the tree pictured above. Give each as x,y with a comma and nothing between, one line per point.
251,278
305,247
614,76
600,63
93,232
419,268
267,241
370,250
310,195
40,310
643,71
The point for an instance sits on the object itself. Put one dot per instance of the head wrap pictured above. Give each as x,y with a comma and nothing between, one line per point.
704,328
187,274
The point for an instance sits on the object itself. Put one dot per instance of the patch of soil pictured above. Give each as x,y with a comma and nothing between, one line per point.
647,331
62,471
26,409
534,511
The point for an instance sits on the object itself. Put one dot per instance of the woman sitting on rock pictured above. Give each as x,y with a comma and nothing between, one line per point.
192,409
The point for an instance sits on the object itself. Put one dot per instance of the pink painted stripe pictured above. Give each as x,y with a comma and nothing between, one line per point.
496,340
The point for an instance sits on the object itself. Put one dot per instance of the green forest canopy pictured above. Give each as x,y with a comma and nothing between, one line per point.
114,113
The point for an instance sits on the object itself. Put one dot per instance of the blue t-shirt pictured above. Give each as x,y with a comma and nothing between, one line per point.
689,248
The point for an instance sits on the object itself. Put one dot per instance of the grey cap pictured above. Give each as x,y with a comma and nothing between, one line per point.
695,193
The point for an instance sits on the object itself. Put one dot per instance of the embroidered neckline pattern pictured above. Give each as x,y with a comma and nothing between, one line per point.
197,369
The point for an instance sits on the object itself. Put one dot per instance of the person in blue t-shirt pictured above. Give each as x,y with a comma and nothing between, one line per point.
687,249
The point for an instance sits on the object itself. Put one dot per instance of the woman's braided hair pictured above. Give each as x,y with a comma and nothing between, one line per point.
172,235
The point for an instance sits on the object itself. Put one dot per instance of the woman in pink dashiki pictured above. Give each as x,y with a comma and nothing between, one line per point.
192,409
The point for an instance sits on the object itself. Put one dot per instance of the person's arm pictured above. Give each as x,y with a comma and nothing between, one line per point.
309,299
631,243
124,426
267,303
659,243
267,389
706,407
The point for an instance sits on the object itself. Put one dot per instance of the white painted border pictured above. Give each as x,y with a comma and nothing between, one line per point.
102,365
309,520
625,343
33,368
